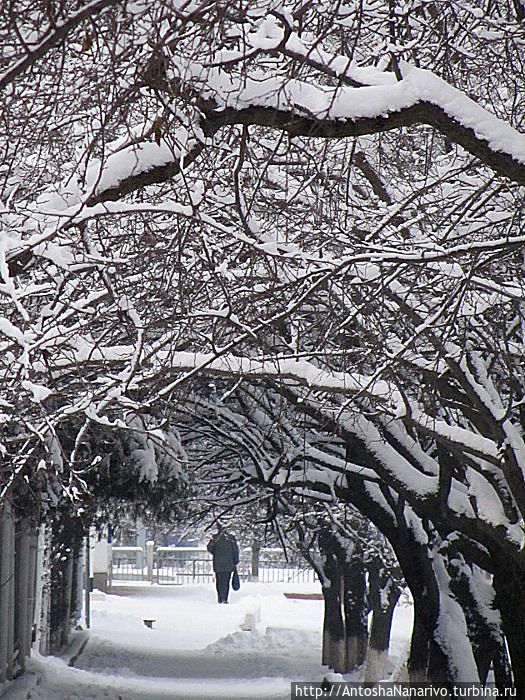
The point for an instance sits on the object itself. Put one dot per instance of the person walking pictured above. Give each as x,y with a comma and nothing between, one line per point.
223,546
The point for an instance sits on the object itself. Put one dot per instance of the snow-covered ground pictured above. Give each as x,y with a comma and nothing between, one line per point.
196,649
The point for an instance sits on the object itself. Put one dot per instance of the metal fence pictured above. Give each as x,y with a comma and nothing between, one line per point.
279,571
183,565
128,564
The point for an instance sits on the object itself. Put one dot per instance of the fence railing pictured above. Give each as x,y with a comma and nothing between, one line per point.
183,565
128,564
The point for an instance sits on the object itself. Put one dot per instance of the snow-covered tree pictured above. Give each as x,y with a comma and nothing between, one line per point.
321,198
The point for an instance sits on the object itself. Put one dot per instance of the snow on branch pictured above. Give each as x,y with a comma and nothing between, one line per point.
52,36
126,169
307,109
140,166
352,384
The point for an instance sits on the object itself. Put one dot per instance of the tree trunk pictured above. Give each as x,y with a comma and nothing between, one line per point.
41,576
7,588
334,650
449,649
419,648
333,627
377,652
256,551
355,612
509,584
22,592
488,644
384,593
66,542
425,664
502,668
78,583
32,586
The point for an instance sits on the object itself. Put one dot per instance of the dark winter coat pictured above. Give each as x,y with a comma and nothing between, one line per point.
225,551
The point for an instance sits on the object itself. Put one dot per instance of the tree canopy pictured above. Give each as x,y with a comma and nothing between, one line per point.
257,216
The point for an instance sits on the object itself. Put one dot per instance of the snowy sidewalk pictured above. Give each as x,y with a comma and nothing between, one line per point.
196,650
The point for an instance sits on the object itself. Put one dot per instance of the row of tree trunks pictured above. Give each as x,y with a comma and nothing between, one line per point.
18,559
345,631
36,605
65,579
432,656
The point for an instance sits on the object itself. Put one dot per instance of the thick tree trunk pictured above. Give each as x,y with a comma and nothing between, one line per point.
355,612
384,593
509,584
438,665
488,644
333,627
419,647
426,662
334,649
443,621
502,668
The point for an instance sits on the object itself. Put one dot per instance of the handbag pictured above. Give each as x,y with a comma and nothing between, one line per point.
236,582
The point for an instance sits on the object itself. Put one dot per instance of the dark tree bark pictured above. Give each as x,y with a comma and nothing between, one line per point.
333,625
509,584
256,550
427,660
66,542
333,628
488,644
383,593
54,35
355,612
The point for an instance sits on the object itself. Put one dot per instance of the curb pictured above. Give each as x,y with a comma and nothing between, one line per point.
20,688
